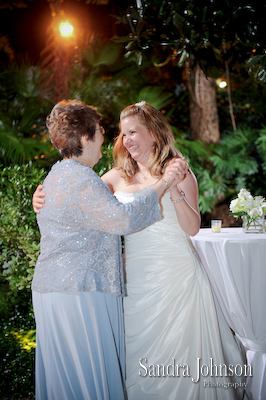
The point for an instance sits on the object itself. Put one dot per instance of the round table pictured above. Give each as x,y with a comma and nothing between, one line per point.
236,265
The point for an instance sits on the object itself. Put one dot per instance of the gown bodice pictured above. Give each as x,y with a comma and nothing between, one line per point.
166,237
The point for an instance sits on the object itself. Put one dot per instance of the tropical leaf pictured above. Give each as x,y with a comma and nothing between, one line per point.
11,148
22,114
155,96
17,150
104,54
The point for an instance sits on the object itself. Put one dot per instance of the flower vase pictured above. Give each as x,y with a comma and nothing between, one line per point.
253,225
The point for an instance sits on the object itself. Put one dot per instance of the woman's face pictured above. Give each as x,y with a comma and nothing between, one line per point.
137,139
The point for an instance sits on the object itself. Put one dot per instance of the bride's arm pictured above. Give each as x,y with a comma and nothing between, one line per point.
187,204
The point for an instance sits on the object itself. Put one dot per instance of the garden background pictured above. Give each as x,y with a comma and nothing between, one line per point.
171,54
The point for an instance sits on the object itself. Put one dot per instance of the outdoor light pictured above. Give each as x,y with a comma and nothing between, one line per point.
222,84
66,29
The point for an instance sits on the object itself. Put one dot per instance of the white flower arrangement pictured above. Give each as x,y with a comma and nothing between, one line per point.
247,205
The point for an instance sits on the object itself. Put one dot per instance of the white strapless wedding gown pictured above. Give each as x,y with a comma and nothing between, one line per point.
172,320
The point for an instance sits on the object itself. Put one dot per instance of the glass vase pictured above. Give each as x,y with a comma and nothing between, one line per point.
253,225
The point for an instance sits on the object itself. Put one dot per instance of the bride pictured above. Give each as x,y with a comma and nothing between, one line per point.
176,336
178,344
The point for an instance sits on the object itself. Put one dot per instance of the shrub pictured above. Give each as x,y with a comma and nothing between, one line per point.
19,241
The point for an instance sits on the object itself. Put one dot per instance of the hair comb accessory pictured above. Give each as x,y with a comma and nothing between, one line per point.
141,103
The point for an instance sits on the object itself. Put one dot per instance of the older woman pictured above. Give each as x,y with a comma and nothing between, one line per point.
78,280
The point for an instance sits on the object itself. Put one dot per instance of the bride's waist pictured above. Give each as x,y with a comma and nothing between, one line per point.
157,229
158,243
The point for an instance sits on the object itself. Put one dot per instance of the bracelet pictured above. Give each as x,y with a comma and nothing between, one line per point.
180,198
165,182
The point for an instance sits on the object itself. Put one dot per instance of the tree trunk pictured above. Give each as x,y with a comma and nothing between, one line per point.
203,107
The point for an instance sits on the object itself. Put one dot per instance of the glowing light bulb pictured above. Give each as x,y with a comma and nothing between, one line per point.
66,29
222,84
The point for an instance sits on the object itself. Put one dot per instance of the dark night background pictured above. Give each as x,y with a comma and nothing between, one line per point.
27,27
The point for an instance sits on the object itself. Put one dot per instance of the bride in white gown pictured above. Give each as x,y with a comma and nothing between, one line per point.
178,344
171,317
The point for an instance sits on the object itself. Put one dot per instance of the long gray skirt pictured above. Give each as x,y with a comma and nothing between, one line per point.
80,346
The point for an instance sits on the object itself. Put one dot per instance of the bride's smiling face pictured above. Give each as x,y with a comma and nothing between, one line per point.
137,139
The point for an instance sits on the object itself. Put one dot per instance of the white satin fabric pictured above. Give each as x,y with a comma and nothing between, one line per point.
235,263
171,317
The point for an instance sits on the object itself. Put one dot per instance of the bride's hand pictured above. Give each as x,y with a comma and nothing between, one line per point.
178,169
37,199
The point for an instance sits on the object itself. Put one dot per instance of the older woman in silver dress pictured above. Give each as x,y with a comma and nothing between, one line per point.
78,281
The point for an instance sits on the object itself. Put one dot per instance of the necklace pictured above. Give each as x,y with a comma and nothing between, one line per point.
143,176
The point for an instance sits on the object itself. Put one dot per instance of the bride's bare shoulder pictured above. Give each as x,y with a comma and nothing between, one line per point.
112,178
112,175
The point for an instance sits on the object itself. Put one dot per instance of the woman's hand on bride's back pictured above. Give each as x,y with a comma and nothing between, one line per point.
38,199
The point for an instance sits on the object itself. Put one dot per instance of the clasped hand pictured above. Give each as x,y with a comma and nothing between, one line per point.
177,168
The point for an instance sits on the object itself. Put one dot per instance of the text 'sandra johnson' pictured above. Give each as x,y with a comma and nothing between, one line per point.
176,370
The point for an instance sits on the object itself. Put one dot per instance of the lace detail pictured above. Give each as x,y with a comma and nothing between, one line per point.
80,227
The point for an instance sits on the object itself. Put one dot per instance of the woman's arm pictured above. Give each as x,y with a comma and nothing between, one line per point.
38,199
109,178
186,201
101,210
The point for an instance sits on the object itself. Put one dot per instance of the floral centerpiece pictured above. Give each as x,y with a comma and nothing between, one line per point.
251,209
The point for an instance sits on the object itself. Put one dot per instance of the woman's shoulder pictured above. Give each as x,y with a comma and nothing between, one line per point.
74,172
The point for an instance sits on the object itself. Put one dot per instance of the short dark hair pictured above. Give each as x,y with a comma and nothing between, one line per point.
68,121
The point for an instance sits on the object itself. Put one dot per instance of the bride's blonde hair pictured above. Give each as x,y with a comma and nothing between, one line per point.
163,149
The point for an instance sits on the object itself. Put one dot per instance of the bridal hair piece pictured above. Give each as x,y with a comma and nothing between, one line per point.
140,104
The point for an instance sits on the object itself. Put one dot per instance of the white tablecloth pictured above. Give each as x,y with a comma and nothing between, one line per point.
236,265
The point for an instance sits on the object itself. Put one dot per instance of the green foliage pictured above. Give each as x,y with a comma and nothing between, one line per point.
211,183
207,32
248,98
239,161
22,112
106,162
19,236
258,65
235,154
106,79
154,95
19,243
17,351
